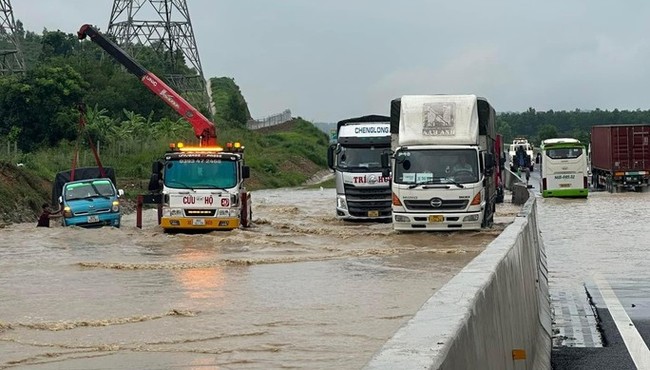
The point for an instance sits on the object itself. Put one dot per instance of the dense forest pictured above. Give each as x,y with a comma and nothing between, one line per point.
537,126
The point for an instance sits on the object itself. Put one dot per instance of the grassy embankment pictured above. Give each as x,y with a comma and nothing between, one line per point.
277,159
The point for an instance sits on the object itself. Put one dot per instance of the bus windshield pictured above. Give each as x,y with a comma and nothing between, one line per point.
201,173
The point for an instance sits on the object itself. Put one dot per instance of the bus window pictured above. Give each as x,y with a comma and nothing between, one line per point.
564,153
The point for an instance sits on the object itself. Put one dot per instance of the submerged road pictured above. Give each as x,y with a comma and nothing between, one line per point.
298,290
599,278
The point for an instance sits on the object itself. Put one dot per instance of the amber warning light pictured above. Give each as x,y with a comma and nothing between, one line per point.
180,147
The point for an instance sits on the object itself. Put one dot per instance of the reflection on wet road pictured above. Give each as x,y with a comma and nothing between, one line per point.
299,290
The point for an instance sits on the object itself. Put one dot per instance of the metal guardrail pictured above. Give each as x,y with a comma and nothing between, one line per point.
272,120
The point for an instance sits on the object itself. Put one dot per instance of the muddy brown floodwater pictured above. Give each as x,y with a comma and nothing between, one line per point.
298,290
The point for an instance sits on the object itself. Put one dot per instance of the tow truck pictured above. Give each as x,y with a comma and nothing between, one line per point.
195,187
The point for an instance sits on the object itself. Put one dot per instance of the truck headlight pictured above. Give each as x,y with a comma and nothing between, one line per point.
67,212
172,212
340,202
234,213
399,218
116,206
470,218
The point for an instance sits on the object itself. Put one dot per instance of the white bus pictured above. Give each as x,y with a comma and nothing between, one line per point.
564,169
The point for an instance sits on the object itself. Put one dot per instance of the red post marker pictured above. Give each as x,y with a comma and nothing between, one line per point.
138,213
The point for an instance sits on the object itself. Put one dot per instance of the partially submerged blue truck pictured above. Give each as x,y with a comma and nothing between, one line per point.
88,197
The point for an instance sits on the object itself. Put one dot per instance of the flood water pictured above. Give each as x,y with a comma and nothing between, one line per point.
300,289
601,237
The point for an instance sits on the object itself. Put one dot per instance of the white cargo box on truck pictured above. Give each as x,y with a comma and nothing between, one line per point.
438,120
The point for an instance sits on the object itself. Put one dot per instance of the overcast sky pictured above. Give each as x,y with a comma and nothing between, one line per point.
327,60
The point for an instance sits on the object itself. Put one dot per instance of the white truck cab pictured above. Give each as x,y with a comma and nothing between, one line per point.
362,192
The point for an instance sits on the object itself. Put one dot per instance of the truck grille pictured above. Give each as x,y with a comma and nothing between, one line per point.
447,205
362,200
200,212
92,212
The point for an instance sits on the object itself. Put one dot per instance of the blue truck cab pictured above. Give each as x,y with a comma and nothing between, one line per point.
91,203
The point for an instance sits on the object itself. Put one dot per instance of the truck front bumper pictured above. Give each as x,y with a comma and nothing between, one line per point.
566,193
437,221
99,220
344,214
196,223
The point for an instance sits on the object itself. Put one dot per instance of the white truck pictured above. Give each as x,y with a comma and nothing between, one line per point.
528,148
362,192
443,163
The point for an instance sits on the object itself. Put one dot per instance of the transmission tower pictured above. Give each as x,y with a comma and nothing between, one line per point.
165,26
11,57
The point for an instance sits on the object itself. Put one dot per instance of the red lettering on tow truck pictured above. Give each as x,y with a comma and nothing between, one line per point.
225,202
209,200
188,199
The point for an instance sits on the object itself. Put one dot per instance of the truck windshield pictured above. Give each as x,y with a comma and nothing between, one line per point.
360,159
436,166
200,173
88,189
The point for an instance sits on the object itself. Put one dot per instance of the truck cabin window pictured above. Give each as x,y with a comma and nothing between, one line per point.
352,158
201,173
436,166
88,189
564,153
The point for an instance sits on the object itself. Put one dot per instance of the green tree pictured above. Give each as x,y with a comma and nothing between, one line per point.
547,131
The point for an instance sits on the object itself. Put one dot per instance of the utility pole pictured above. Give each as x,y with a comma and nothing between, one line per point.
165,26
11,57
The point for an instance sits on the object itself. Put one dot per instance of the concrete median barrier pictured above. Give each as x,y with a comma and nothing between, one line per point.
495,314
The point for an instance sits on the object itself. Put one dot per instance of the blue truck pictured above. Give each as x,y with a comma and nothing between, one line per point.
90,200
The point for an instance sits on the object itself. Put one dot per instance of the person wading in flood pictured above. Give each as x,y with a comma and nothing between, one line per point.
44,218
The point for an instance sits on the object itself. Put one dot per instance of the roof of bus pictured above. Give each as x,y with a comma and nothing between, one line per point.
565,140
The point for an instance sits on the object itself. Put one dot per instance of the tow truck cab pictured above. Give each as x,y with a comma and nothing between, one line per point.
202,188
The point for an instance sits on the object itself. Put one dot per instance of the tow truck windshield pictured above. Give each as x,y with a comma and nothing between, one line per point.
436,166
201,173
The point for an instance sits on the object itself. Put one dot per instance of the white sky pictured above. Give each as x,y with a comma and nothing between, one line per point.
327,60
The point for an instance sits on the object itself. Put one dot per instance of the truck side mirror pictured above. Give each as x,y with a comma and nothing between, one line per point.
330,156
154,182
120,192
385,164
245,172
489,163
385,160
157,167
60,200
